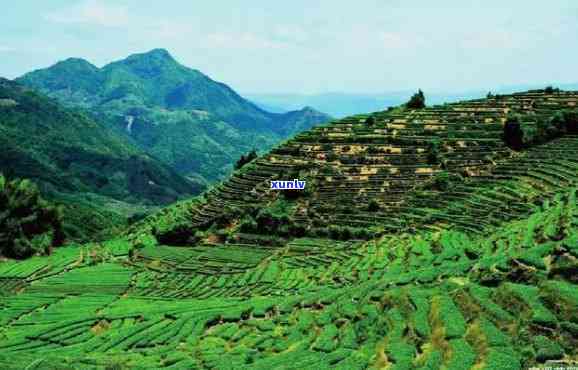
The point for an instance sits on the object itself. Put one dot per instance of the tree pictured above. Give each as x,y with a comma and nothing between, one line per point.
28,224
246,159
417,101
568,122
445,181
370,121
513,134
433,154
373,206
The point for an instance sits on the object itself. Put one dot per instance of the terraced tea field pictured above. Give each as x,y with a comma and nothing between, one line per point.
377,264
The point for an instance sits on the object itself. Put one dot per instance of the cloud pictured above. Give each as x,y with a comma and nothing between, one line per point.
400,41
92,12
291,34
242,40
6,49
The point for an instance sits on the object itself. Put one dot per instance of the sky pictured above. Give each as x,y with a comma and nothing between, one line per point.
309,46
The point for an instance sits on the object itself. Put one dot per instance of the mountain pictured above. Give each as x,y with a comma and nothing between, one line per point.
72,157
435,238
346,104
336,104
179,115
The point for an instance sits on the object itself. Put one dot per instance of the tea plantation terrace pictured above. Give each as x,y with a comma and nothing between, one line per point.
394,159
422,240
441,300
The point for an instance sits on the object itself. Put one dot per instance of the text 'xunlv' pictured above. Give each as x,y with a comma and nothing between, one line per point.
290,184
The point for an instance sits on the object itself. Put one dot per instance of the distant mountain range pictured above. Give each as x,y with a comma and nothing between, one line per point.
198,126
345,104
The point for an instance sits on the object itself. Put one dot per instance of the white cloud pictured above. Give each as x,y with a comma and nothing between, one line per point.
394,40
92,12
291,33
244,40
165,29
6,49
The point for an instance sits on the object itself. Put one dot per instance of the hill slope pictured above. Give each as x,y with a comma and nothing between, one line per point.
421,241
68,154
179,115
400,163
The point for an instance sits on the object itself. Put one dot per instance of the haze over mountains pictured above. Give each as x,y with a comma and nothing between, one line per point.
343,104
179,115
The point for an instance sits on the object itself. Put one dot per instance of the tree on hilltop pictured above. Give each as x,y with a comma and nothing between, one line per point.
417,101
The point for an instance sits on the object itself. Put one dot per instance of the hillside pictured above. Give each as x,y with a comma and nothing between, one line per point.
439,238
78,161
198,126
400,163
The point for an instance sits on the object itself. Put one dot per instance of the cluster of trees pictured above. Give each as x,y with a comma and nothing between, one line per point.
28,224
343,232
246,159
548,90
267,222
519,135
443,181
417,101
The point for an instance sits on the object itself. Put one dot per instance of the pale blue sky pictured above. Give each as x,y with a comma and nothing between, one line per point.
309,46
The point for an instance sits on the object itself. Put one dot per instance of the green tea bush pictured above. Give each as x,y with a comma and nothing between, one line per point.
547,349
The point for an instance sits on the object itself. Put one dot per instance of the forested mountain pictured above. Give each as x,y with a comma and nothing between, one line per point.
196,125
75,159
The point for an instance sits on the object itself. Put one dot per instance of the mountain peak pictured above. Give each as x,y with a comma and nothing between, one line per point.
308,108
153,63
159,52
76,64
158,55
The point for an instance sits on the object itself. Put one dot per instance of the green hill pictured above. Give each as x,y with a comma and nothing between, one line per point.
78,161
198,126
438,238
384,173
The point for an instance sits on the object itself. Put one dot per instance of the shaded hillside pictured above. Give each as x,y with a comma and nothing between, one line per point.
179,115
67,154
